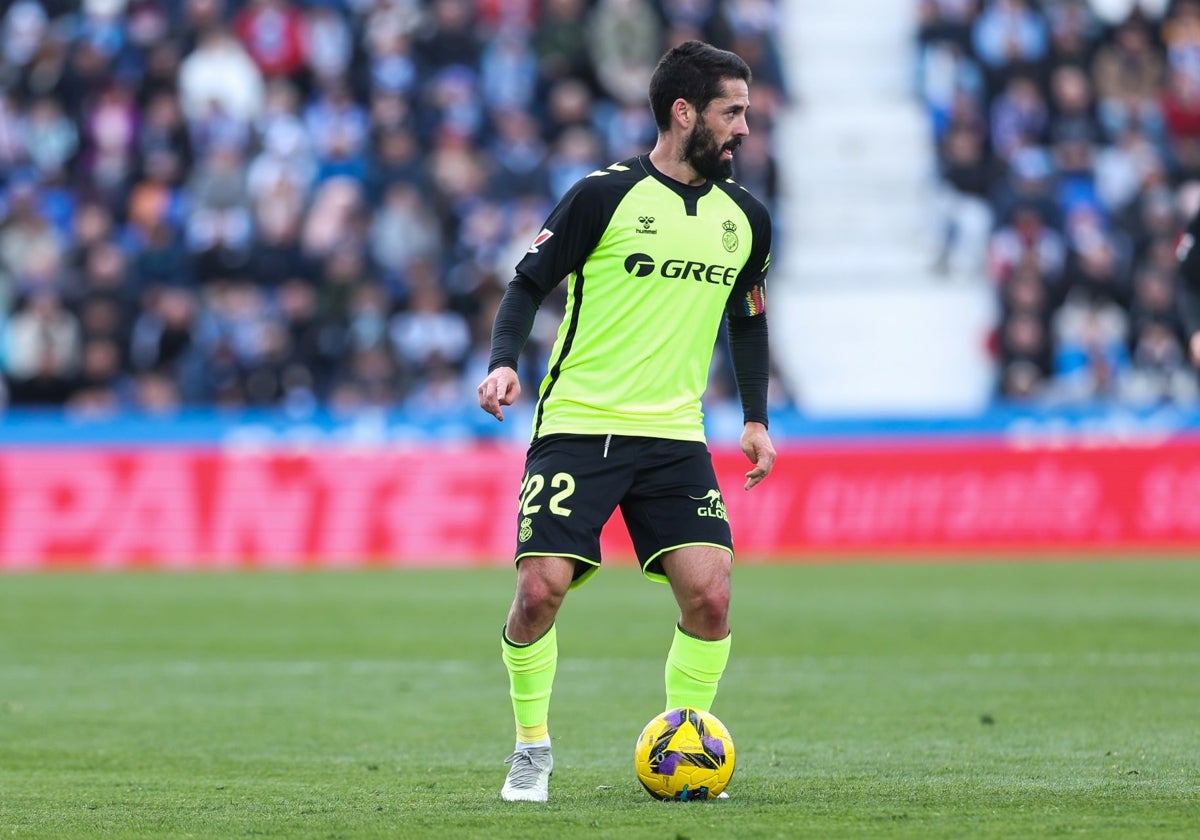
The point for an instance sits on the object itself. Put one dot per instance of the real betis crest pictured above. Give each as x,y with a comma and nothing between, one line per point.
729,239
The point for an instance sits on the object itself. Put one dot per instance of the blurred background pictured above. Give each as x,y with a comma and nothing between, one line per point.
250,252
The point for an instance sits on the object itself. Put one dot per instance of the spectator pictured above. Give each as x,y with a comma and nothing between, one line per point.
561,42
1181,115
273,34
328,44
1010,35
1129,74
1072,33
625,44
403,231
42,348
51,139
428,334
967,176
509,71
219,79
1019,116
448,38
1091,357
1026,240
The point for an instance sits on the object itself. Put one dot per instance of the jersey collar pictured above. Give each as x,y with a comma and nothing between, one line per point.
688,192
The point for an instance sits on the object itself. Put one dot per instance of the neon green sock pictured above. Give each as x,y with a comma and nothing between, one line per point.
531,670
694,667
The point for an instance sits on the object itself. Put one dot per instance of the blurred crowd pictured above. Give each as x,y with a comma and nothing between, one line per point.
1068,146
267,203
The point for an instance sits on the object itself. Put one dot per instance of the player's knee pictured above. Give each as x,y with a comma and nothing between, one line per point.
536,596
708,611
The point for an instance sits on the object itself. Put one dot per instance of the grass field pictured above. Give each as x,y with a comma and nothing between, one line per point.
992,700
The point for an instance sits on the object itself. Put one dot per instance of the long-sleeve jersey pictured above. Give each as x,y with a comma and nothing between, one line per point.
652,267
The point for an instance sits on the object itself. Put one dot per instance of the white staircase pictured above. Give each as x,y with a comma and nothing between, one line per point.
860,322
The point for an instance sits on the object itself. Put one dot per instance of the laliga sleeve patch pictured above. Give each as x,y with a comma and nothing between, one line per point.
540,240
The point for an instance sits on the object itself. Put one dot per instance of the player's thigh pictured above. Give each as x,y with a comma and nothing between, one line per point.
698,574
675,503
570,488
542,578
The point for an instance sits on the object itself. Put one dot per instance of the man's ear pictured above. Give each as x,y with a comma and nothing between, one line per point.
683,113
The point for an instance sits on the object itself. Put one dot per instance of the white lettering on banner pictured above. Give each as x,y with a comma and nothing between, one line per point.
1042,502
1171,501
186,507
762,519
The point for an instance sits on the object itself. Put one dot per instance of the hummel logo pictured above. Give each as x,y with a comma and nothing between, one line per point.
646,222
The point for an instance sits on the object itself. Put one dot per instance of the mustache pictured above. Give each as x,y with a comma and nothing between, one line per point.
732,144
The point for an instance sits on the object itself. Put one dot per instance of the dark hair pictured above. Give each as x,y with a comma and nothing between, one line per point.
692,71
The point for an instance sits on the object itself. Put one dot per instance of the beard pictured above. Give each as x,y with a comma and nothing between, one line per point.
703,153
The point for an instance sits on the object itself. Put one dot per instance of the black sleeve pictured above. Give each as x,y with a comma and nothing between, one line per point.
514,320
746,319
1189,274
560,248
751,365
571,232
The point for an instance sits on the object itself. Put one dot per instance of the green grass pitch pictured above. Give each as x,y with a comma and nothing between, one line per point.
1005,700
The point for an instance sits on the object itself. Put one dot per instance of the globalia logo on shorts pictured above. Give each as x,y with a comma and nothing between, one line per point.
715,507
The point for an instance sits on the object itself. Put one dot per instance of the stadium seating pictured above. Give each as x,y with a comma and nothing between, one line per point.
267,203
1067,141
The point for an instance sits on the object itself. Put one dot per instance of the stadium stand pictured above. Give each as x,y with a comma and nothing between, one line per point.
286,204
1068,142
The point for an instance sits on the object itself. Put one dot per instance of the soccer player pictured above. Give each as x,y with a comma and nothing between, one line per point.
656,251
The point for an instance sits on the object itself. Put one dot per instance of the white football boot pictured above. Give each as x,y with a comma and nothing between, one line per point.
529,776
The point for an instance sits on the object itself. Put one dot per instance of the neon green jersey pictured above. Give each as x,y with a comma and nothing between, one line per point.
652,267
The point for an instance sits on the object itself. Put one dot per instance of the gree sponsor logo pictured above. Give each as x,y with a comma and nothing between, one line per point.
639,265
643,265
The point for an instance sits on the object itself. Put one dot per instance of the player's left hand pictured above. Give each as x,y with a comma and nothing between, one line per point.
500,388
756,443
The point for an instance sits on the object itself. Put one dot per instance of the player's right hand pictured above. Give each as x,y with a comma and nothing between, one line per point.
500,388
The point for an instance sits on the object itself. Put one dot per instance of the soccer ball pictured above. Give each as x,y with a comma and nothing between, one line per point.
684,754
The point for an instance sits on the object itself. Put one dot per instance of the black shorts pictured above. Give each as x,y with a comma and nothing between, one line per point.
666,489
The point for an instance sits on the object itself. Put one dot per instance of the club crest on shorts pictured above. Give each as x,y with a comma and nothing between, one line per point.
526,530
713,507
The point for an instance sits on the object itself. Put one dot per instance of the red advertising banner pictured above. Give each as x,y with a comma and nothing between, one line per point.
175,507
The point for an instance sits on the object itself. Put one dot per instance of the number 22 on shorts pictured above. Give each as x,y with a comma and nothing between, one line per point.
532,486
